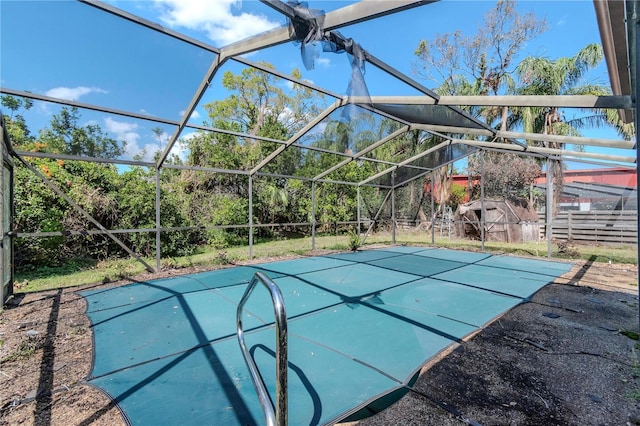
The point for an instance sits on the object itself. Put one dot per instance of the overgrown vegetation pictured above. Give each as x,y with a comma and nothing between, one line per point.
355,241
201,207
25,350
633,335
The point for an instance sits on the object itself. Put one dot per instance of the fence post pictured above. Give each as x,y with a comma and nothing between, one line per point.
158,250
313,216
250,217
393,207
433,208
358,213
569,223
482,210
549,207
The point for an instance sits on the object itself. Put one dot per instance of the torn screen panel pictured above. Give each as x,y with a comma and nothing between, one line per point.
445,155
428,114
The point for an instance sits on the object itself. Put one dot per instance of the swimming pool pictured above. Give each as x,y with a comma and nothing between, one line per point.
360,326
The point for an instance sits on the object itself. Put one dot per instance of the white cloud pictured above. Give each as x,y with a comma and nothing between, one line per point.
72,93
289,84
149,150
194,115
187,136
123,130
286,116
323,62
216,18
183,145
126,132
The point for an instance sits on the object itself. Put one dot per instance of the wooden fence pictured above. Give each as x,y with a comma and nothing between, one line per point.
613,226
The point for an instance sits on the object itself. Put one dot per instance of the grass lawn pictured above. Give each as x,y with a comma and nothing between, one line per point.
69,275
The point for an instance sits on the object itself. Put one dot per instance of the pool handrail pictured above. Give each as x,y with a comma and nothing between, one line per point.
275,416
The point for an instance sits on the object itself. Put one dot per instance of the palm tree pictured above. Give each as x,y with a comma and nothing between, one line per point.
563,76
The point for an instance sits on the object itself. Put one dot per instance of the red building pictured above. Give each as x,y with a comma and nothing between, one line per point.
618,176
600,189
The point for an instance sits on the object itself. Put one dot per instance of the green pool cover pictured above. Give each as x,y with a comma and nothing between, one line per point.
360,326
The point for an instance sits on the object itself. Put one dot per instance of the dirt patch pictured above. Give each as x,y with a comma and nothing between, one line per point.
46,354
566,357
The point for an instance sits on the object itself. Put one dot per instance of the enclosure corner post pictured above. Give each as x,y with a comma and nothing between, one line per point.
6,216
158,252
549,206
635,68
433,209
482,210
393,207
313,215
358,213
250,217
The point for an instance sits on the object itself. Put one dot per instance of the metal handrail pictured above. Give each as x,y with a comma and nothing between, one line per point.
274,415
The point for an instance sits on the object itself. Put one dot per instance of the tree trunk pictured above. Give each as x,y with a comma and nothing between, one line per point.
553,116
503,119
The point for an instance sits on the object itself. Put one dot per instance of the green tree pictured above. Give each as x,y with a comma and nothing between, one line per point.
259,104
93,186
39,209
564,76
482,64
506,176
136,200
17,129
66,136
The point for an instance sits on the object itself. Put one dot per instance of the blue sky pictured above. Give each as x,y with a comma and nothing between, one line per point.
73,51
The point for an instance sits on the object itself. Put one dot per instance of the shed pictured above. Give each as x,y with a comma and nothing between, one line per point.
511,220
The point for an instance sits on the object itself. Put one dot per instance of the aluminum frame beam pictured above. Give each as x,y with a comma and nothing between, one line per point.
611,143
348,15
595,163
609,15
541,150
298,135
35,96
87,159
549,205
7,269
363,152
149,24
405,162
377,215
204,84
573,140
154,119
123,113
560,101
